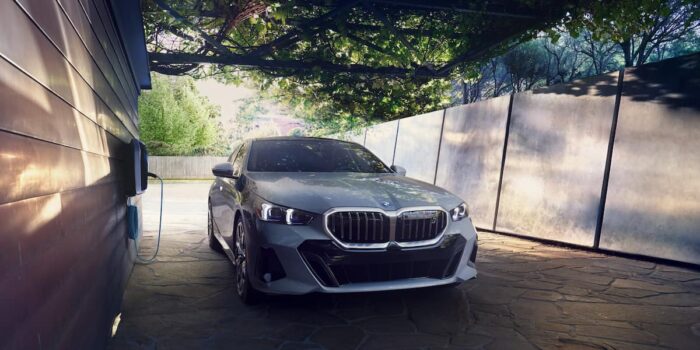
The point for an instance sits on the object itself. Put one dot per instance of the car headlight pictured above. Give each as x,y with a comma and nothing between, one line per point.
460,212
283,215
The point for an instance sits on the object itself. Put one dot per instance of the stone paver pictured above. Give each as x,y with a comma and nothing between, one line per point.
528,295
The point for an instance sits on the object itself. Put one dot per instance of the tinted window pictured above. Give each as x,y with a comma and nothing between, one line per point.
312,156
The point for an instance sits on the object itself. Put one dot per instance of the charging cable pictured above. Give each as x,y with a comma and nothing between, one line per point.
152,259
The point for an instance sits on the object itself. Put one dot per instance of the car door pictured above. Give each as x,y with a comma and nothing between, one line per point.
231,196
219,209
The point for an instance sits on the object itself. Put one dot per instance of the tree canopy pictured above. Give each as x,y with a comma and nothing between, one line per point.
344,63
176,120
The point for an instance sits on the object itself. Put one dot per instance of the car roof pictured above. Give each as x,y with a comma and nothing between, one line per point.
293,138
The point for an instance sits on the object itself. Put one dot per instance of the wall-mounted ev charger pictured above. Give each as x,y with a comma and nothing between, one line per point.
136,185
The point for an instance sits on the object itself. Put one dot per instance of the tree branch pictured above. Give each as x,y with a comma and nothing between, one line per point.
294,35
209,39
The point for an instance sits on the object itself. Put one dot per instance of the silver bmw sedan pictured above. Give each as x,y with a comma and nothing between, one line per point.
297,215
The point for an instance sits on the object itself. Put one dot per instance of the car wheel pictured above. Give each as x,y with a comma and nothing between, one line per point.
243,288
213,242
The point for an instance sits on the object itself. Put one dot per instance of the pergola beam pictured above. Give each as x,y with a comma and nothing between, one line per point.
336,16
255,61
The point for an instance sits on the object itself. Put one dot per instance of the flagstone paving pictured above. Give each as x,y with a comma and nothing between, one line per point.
528,295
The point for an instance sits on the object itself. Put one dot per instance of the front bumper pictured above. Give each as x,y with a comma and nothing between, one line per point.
304,259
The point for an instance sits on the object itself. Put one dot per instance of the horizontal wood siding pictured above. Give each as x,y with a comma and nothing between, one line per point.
68,109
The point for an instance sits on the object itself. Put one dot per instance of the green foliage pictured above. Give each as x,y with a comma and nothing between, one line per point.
297,132
640,27
369,35
176,120
250,109
525,64
593,37
335,103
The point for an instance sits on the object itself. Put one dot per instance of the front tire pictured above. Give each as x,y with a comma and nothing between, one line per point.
213,242
244,289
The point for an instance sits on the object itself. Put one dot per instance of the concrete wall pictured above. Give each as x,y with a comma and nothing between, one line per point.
555,161
183,167
608,162
471,153
419,137
381,140
653,197
67,111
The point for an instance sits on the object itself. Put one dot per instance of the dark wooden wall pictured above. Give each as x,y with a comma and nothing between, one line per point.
68,108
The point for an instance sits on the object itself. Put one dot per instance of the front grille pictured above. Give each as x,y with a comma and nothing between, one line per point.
420,225
334,267
359,226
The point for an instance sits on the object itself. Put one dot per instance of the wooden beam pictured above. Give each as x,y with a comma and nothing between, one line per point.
256,61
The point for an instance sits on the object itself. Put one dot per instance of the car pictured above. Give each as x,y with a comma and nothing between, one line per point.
298,215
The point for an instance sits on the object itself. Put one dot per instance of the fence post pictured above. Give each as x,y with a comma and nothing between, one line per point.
437,161
608,161
503,161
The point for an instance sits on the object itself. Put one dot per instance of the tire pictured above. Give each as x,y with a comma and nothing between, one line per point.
244,289
213,242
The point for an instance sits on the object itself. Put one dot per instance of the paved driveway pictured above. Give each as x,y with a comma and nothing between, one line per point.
528,295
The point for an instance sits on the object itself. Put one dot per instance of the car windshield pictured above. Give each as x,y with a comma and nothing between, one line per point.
312,156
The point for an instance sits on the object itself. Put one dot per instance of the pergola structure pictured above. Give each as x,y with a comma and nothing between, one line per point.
397,37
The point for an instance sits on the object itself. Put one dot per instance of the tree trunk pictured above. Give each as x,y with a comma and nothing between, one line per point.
627,51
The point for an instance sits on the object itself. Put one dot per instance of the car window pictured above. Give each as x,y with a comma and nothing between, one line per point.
235,147
238,160
312,155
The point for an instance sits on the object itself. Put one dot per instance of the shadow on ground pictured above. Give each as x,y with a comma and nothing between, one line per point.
528,295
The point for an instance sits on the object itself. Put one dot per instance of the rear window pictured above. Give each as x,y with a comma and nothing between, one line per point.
312,156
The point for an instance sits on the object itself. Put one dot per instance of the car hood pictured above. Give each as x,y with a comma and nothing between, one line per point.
319,192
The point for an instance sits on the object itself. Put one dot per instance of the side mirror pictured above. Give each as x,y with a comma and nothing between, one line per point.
223,170
399,170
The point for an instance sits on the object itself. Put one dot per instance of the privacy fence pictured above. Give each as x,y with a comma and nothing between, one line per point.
183,167
610,162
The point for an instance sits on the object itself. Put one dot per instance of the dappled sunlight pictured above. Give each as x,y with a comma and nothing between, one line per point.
48,210
30,176
8,156
31,216
96,168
